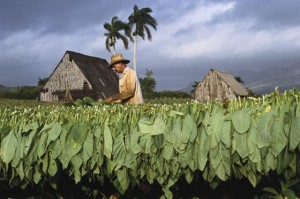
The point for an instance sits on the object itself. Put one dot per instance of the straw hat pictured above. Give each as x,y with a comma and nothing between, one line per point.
117,58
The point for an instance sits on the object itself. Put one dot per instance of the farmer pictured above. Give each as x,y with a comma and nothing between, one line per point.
129,86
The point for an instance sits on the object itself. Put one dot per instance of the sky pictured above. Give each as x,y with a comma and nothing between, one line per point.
192,37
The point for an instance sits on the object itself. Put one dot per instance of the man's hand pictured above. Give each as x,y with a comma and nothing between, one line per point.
109,99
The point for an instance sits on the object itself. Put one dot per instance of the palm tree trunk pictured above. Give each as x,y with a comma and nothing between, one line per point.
134,52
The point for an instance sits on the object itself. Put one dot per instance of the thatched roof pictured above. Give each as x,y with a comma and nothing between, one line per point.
95,70
218,85
231,82
99,81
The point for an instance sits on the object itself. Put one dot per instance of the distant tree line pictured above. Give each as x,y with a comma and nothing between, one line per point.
148,84
24,92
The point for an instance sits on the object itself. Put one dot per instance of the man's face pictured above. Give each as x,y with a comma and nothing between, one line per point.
118,67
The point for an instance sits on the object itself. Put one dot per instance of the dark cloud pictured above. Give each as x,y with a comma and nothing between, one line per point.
275,13
35,34
57,16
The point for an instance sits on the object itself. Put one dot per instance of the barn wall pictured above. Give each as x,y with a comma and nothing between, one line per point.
67,74
213,88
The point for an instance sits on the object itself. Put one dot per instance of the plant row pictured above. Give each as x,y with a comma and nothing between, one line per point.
243,138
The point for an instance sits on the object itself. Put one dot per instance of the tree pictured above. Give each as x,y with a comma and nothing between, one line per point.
148,85
113,33
239,79
194,86
141,19
42,81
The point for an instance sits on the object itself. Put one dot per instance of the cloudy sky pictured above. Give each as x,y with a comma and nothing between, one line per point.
191,37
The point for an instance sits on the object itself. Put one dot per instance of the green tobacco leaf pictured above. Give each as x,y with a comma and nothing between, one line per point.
168,151
264,124
189,175
279,139
29,132
241,121
252,178
153,128
220,161
88,144
75,138
176,113
52,169
77,162
108,142
20,170
215,128
122,176
295,133
203,141
252,138
55,149
119,149
41,150
284,158
159,125
190,127
145,126
182,136
270,190
255,156
298,110
65,156
45,164
226,134
53,133
18,152
239,144
8,147
37,175
290,194
134,142
271,162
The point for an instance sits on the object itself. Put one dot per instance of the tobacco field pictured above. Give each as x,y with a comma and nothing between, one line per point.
205,145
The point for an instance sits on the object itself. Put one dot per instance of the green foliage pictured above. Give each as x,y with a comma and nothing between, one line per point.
24,92
194,86
86,101
42,81
148,84
285,190
141,19
127,144
238,79
172,94
113,33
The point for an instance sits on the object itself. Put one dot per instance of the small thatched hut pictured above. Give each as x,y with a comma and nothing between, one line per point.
218,85
77,76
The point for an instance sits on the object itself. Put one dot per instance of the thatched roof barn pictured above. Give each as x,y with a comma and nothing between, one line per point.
218,85
77,76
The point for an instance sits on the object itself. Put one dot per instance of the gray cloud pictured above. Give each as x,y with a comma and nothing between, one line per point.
192,36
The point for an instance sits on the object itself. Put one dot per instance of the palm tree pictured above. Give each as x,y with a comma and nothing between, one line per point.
194,86
141,19
113,33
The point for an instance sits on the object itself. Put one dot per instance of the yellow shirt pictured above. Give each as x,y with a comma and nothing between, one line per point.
129,88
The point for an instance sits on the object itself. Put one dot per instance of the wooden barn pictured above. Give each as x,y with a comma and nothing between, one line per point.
78,76
218,85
